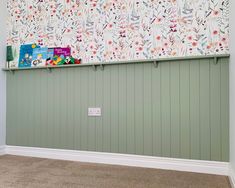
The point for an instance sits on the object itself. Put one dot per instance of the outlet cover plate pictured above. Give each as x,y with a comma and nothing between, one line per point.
94,112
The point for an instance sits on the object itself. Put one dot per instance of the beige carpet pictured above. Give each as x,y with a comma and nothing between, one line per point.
23,172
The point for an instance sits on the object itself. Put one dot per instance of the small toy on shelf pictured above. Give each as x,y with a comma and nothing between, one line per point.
77,61
9,55
69,60
57,60
12,57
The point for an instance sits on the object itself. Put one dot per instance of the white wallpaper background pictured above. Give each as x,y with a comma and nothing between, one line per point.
113,30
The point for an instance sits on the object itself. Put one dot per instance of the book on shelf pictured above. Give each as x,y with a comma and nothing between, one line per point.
50,55
60,54
26,55
39,57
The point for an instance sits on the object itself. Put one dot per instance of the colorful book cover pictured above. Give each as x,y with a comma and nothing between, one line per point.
50,55
39,57
26,54
60,54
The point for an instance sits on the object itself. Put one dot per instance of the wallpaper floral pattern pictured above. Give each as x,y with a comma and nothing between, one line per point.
113,30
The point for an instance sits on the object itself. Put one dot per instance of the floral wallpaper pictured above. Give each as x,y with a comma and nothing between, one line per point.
113,30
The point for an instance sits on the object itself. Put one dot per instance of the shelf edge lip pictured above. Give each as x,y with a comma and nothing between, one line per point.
124,62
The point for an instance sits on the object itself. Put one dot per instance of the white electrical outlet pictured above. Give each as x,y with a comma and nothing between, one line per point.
94,111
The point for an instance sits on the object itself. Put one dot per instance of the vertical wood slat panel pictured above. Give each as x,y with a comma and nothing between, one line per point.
185,109
31,108
156,111
179,109
114,109
224,101
166,109
215,111
106,110
56,115
37,111
84,105
70,108
194,109
99,103
50,108
122,131
130,99
204,96
175,108
44,109
24,116
139,112
147,88
63,110
91,103
77,110
11,109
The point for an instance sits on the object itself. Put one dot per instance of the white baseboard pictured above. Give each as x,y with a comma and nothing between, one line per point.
209,167
232,177
2,150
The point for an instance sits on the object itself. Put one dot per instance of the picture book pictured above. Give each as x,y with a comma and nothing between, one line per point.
39,57
26,54
62,52
50,55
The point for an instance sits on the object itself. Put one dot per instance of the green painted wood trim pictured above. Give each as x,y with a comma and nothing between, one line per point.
179,109
99,64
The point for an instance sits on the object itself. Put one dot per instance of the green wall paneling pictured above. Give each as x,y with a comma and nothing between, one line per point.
179,109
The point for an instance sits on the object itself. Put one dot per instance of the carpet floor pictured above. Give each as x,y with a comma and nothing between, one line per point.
27,172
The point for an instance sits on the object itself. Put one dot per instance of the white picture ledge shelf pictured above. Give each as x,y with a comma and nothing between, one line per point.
102,64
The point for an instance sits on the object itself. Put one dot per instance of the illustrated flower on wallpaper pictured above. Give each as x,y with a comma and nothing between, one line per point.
113,30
